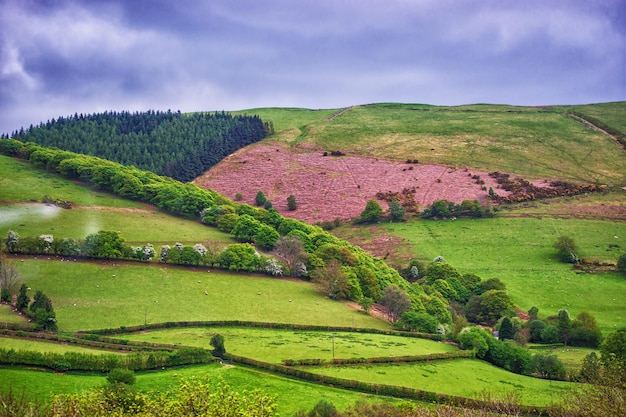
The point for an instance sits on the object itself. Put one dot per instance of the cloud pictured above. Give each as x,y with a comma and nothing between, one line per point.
66,56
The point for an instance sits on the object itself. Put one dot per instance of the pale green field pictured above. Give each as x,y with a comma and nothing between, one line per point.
519,251
34,345
136,226
462,377
19,181
276,345
8,316
533,142
109,295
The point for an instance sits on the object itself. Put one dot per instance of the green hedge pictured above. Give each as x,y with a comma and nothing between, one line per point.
381,360
73,361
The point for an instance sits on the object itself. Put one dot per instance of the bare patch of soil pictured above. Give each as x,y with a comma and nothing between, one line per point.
327,187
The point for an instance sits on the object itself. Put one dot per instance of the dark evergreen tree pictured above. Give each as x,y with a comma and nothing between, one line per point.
506,330
22,298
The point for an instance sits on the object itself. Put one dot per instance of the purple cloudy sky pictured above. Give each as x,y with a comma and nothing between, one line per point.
58,57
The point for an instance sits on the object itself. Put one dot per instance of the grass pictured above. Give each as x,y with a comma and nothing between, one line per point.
291,395
137,226
276,345
109,295
519,251
533,142
34,345
289,118
462,377
20,182
8,316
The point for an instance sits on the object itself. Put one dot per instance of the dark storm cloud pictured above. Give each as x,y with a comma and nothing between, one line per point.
60,57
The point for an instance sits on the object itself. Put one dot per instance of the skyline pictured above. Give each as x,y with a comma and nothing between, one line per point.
61,57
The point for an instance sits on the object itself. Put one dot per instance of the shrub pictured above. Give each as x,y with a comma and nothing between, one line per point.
121,376
291,203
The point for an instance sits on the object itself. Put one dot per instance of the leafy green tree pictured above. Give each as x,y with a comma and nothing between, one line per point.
241,257
491,284
67,247
417,322
535,328
440,270
585,331
291,203
613,350
226,223
395,302
267,205
494,304
506,330
445,289
566,249
246,228
104,244
473,339
260,198
396,211
366,304
591,368
372,212
266,237
217,342
440,208
548,366
121,376
550,334
323,408
533,313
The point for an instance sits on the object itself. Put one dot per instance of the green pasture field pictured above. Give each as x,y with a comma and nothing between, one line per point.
612,114
136,226
289,118
89,296
20,182
291,395
533,142
8,316
463,377
274,346
39,346
572,357
519,251
21,185
40,385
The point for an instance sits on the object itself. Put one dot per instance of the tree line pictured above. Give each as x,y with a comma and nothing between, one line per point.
181,146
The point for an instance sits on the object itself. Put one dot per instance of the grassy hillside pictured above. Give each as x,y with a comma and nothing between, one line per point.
519,251
529,141
110,295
